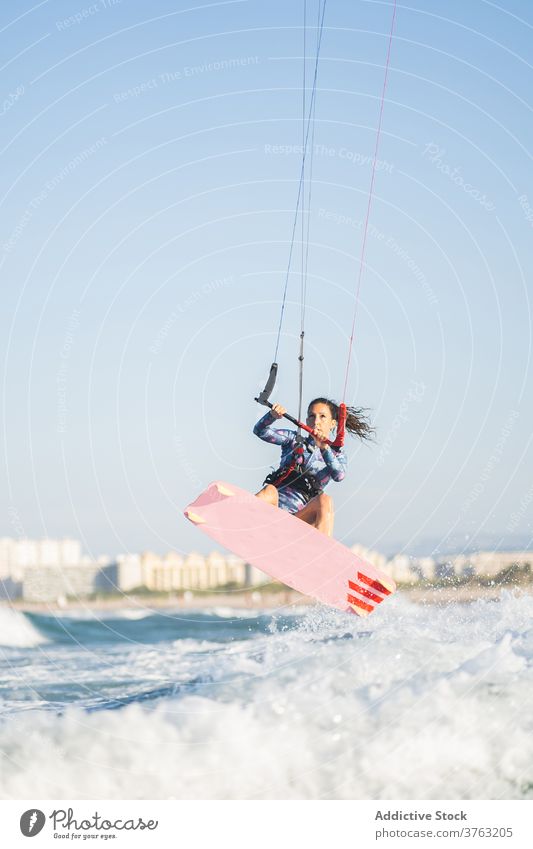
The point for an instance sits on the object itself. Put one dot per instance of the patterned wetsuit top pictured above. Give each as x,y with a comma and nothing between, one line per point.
324,464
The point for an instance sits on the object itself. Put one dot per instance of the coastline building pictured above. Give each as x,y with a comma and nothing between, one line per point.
161,574
129,572
216,568
490,563
194,571
403,569
57,583
426,566
195,576
5,557
10,585
18,556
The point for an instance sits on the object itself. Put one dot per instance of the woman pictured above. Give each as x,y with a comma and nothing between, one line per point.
298,487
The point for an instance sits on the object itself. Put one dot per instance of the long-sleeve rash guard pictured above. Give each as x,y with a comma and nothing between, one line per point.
324,464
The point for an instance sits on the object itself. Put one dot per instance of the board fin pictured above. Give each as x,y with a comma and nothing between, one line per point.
223,489
194,517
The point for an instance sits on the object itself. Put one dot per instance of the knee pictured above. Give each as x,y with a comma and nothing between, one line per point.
325,502
270,494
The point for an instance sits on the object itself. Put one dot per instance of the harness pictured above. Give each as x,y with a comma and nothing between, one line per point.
302,482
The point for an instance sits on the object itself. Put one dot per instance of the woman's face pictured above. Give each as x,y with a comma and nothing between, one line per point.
320,419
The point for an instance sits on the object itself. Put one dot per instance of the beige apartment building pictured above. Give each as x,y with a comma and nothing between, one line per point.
195,571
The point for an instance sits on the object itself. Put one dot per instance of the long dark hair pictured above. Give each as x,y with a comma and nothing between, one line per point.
357,422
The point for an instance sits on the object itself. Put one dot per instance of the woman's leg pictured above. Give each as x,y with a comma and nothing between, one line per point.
319,513
268,493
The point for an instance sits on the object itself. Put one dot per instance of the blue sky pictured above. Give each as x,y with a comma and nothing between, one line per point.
149,179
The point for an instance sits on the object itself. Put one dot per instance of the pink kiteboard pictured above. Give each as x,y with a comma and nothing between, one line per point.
288,549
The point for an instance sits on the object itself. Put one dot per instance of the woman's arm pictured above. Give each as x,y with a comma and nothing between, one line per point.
267,433
335,462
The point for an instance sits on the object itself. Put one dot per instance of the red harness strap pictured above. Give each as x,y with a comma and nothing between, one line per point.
297,460
290,468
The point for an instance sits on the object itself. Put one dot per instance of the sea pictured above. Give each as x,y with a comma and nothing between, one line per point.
414,702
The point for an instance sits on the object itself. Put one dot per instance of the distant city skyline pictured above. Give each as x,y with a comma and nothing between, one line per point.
68,551
57,572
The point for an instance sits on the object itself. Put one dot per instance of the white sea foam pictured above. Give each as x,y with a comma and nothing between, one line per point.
230,613
414,702
16,630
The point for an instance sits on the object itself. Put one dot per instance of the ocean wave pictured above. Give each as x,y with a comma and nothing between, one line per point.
414,702
156,626
16,630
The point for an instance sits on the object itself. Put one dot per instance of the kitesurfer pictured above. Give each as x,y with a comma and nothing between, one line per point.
308,464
